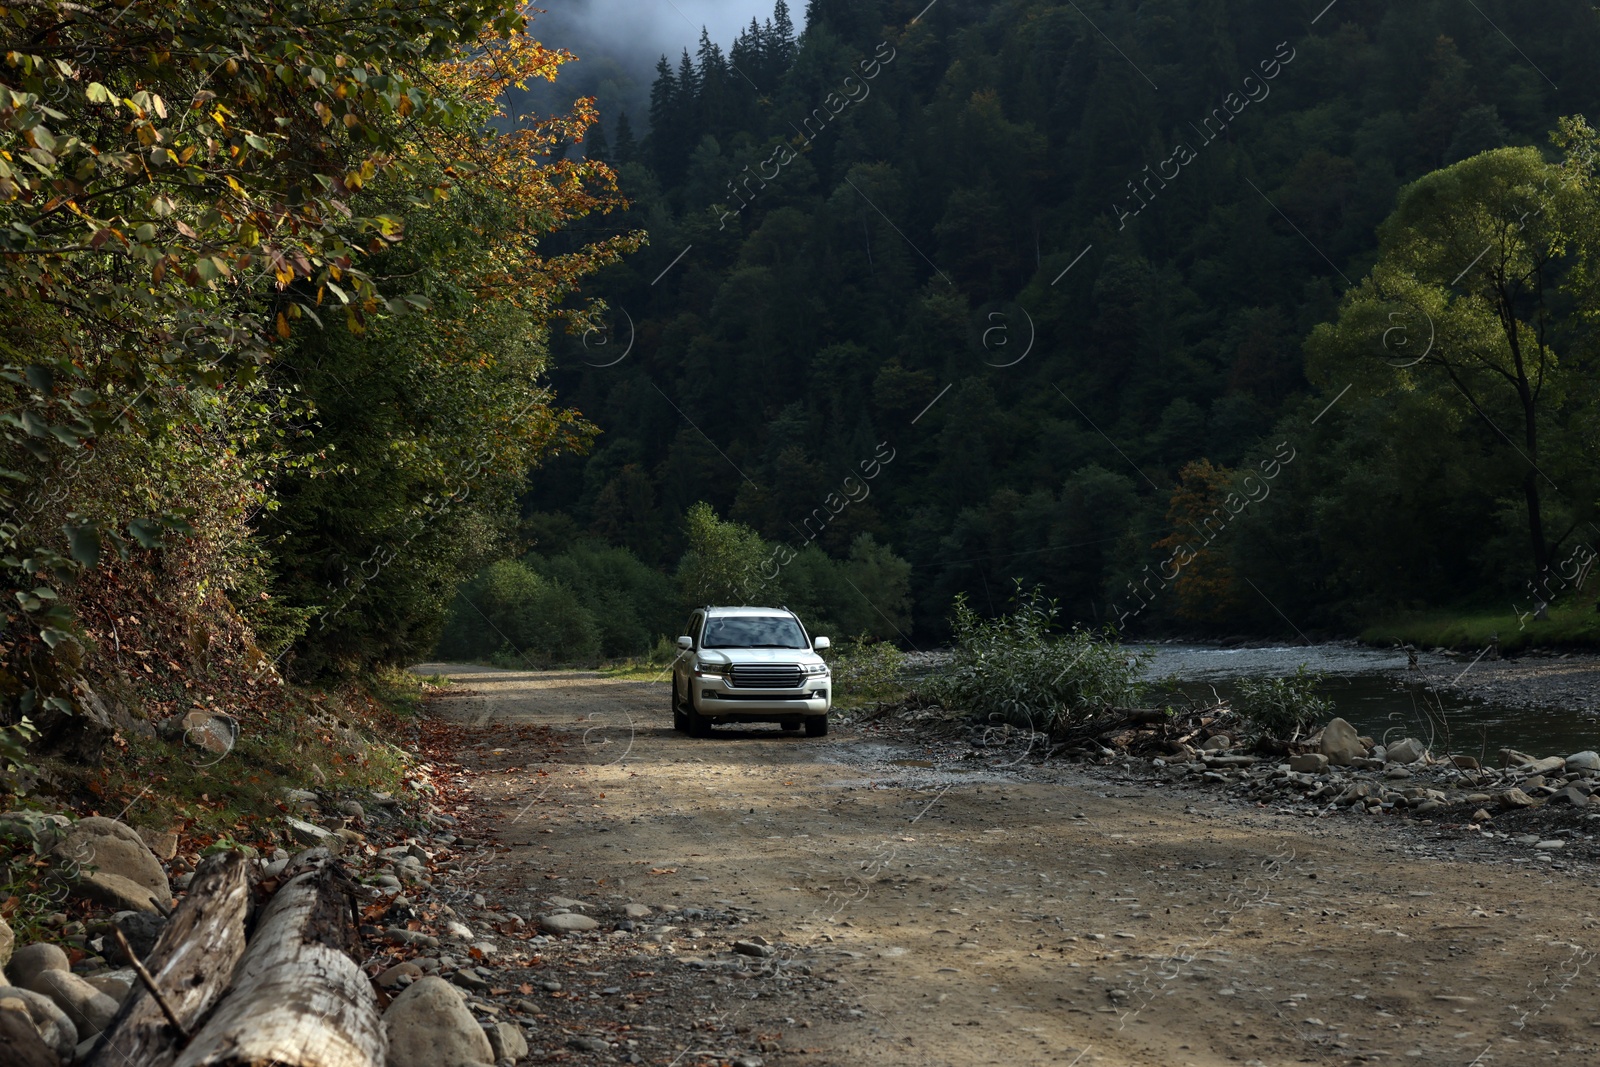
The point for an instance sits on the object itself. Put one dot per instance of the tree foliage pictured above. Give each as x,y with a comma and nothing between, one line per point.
206,223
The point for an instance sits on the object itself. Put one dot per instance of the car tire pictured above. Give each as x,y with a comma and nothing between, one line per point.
680,721
694,723
817,726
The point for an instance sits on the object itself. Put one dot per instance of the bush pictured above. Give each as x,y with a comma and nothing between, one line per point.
1012,669
867,671
1281,707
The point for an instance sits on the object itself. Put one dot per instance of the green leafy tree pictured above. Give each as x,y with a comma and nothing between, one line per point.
1479,294
724,560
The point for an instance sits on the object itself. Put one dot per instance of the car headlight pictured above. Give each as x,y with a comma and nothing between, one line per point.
814,670
712,670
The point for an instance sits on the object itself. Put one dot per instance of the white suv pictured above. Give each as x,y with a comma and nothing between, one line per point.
749,665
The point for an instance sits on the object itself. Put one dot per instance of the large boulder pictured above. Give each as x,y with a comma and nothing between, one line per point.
89,1009
7,941
1341,743
108,862
429,1026
50,1021
1583,761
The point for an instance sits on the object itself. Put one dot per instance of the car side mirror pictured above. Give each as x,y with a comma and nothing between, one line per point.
821,644
686,643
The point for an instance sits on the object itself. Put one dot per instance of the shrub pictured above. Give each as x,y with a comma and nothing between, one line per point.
1281,707
1013,669
866,671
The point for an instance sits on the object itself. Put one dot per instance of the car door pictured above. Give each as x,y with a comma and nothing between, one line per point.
684,664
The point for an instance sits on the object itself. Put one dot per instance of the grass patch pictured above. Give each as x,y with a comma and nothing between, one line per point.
1573,624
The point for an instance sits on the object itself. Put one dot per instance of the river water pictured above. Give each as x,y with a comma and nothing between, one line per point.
1370,688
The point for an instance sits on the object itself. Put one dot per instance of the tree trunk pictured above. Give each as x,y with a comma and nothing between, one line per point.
298,998
1541,551
191,963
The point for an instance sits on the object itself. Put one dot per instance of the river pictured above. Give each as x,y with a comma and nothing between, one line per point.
1374,690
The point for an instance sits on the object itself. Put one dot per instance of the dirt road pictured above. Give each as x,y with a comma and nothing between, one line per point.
1002,913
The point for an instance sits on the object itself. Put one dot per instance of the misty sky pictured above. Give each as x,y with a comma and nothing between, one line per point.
656,27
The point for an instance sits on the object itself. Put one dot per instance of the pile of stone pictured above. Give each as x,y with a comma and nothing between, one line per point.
46,1003
1342,769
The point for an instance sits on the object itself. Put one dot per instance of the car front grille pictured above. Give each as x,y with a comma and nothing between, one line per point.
765,676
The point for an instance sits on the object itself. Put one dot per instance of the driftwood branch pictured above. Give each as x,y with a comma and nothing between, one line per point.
189,968
150,984
298,997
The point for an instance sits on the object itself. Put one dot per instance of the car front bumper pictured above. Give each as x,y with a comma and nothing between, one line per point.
714,698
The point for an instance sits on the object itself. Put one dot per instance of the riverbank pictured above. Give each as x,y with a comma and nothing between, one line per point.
1570,625
1566,681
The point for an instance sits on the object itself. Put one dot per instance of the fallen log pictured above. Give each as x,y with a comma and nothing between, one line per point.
298,997
190,966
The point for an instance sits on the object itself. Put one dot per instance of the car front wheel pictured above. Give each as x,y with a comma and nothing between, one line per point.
680,721
817,726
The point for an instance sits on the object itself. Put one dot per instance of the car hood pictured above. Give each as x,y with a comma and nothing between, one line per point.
758,655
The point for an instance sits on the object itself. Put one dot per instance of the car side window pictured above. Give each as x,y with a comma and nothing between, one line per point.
694,628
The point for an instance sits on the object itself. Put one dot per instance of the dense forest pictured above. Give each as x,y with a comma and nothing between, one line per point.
1185,312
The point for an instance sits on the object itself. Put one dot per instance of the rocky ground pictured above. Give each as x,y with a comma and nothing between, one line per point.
568,880
937,901
1566,680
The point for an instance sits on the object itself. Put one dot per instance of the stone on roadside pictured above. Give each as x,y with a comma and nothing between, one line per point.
206,730
1219,743
8,941
1465,763
141,928
752,948
1308,763
30,961
470,981
1406,750
507,1041
312,835
1340,743
1481,816
458,931
567,923
1570,795
1514,798
429,1026
24,1045
1583,761
401,936
89,1009
1548,765
114,984
108,862
163,844
50,1021
399,975
1510,757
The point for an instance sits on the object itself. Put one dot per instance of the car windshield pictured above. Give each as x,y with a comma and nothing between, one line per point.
754,631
